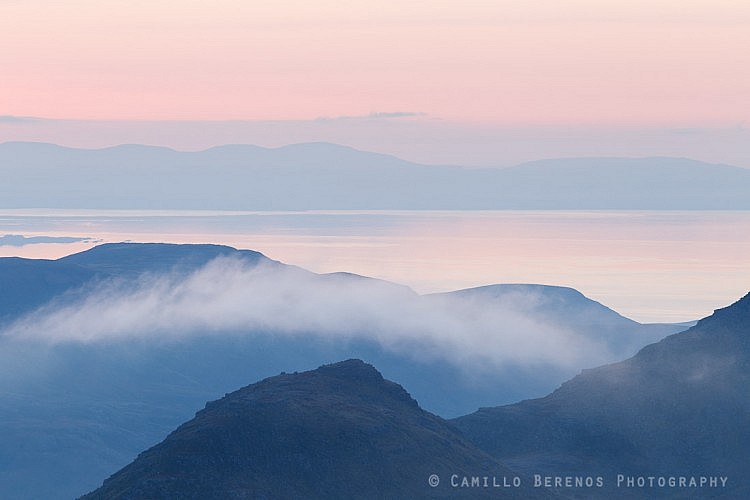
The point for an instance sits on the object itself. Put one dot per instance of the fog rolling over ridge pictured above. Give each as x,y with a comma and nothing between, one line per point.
135,337
327,176
487,327
670,422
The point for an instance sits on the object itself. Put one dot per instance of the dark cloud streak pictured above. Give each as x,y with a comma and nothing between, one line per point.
375,116
17,240
12,119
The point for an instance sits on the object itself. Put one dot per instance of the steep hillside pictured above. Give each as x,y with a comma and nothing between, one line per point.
340,431
678,408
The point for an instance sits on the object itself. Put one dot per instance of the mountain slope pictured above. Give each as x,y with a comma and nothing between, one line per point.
655,183
132,259
340,431
328,176
26,284
74,407
678,408
567,308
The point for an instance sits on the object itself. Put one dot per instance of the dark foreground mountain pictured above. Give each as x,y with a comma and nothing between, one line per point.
340,431
678,409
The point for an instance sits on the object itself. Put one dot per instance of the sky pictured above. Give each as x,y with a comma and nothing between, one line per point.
471,82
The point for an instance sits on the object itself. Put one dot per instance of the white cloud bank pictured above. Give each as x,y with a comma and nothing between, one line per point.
228,296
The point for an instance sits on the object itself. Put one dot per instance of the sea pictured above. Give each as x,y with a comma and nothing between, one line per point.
651,266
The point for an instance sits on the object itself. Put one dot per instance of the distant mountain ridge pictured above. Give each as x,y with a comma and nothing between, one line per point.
138,258
327,176
569,308
26,284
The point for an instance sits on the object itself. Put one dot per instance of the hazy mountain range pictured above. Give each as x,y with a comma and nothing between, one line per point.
670,422
328,176
105,351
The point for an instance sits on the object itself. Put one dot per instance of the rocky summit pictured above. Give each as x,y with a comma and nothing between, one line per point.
341,431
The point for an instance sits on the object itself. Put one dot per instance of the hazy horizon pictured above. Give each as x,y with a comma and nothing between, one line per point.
414,139
473,83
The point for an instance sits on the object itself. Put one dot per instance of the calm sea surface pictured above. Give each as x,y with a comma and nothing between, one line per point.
648,265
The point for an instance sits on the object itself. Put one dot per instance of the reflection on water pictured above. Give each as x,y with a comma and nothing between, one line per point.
647,265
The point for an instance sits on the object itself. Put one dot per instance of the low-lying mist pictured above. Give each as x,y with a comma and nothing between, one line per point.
231,297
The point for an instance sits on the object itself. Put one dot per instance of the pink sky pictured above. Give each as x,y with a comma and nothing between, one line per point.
472,82
539,63
510,62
